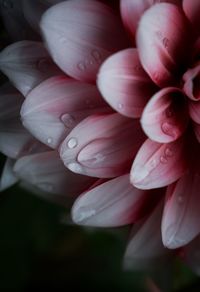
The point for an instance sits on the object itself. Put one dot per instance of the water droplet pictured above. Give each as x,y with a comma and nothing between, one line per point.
49,140
163,159
81,66
75,167
152,164
7,4
165,42
168,152
68,120
120,106
96,55
180,199
169,129
72,143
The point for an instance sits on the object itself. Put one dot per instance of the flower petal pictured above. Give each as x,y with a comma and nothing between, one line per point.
191,86
80,35
110,204
181,223
194,111
26,64
102,145
131,12
165,116
145,248
157,165
46,172
163,42
53,108
124,84
7,178
192,10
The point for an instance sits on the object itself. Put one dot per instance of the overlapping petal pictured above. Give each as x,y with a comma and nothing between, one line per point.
124,84
80,35
8,177
163,42
180,223
157,165
191,80
102,145
192,10
165,117
57,105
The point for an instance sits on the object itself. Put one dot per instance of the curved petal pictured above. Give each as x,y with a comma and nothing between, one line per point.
191,86
113,203
102,145
163,42
165,116
192,11
194,111
7,178
132,10
26,64
53,108
180,222
124,84
157,165
145,249
46,172
80,35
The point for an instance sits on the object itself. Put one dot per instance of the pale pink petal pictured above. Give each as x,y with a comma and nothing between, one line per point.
194,111
57,105
110,204
7,178
124,84
163,42
80,35
102,145
33,10
46,172
181,222
132,10
157,165
192,11
26,64
14,21
145,248
165,116
192,255
191,85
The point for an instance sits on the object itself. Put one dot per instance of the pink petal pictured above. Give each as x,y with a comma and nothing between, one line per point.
57,105
192,255
157,165
145,248
14,21
102,145
181,223
46,172
132,10
192,10
33,10
165,116
163,42
194,111
80,35
191,86
26,64
110,204
8,177
124,84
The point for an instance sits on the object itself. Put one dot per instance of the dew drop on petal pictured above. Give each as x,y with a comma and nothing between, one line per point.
120,106
163,159
169,129
49,140
68,120
72,143
75,167
81,66
168,152
180,199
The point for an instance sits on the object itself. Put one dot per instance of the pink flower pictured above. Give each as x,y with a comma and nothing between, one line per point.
116,95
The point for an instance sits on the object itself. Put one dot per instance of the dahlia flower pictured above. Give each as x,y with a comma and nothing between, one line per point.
106,110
